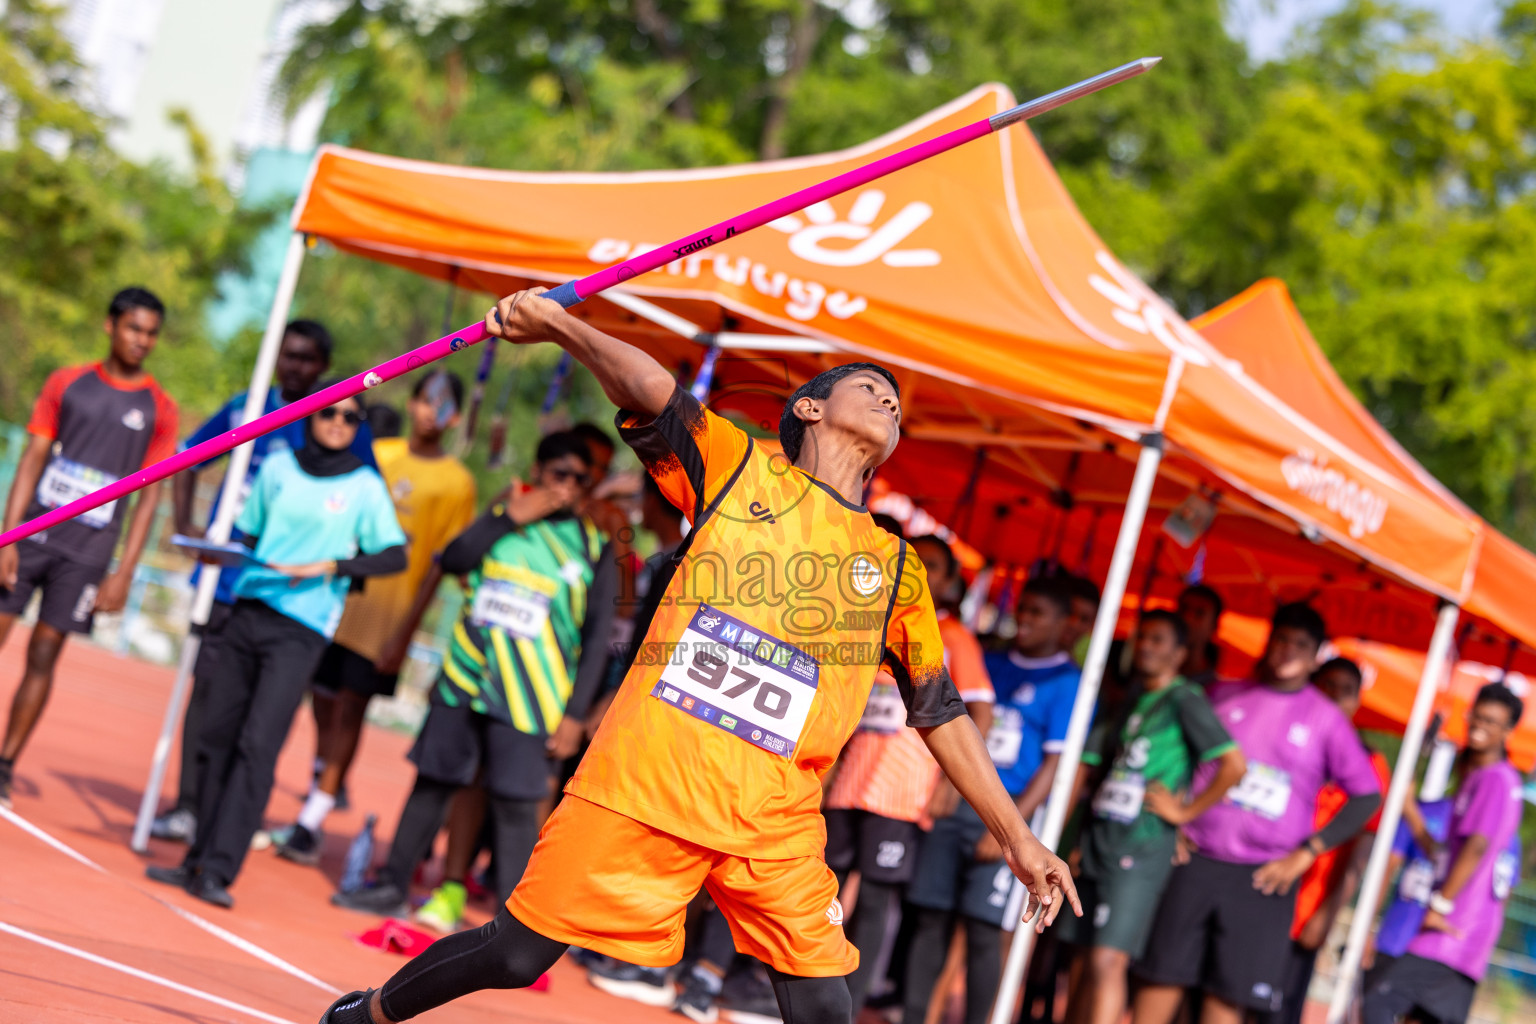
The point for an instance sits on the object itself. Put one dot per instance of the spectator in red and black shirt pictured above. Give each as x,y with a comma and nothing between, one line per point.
92,425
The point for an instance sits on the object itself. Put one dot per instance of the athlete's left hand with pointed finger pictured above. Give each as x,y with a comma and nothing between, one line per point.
1047,878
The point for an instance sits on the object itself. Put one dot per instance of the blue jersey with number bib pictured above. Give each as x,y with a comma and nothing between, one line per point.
1029,720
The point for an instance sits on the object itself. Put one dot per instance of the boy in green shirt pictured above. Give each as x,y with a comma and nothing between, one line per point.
1152,749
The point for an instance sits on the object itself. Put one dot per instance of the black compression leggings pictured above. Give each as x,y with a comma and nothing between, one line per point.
502,954
508,954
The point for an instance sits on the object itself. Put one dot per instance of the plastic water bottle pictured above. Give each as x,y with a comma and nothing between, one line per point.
359,857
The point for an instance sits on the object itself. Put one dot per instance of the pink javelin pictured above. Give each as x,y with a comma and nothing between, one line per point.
573,292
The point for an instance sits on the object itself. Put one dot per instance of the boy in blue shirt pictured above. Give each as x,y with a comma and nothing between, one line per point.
960,870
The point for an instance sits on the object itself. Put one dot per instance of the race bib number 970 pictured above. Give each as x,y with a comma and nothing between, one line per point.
750,684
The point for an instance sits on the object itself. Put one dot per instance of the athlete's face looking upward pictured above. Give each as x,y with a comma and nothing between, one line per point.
1158,652
133,334
1041,623
299,364
862,412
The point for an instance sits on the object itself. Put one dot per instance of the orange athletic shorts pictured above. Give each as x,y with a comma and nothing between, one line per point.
606,882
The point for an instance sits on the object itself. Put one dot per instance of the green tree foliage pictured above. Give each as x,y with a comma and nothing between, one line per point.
78,222
1388,179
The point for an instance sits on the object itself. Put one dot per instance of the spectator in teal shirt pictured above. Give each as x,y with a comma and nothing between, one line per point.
319,521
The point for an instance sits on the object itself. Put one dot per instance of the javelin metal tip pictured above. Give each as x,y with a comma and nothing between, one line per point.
1061,97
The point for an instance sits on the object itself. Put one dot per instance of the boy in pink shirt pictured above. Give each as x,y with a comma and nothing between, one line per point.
1438,975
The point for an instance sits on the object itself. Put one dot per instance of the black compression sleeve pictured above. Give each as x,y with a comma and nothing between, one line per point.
930,703
380,563
1350,820
465,552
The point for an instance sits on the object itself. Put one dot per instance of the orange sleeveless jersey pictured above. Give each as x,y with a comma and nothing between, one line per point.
757,665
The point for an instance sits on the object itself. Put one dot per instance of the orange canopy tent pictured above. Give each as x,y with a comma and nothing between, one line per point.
1262,331
1011,326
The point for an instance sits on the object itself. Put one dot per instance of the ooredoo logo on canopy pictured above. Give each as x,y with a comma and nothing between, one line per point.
1362,508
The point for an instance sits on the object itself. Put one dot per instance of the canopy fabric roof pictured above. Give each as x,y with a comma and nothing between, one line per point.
1262,330
1013,329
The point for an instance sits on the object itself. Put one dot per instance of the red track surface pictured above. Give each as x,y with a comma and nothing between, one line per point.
80,781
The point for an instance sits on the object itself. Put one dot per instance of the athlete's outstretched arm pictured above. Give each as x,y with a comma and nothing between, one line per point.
631,379
961,753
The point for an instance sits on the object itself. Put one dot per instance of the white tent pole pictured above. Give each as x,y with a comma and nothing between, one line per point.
1391,813
218,532
1087,696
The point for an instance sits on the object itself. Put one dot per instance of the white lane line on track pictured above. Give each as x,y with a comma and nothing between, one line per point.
154,979
244,945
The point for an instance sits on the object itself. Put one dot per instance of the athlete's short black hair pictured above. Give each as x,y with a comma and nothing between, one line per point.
949,553
1053,589
792,427
134,297
1208,593
1345,665
889,524
560,444
594,434
455,385
1498,693
1302,616
315,332
1171,620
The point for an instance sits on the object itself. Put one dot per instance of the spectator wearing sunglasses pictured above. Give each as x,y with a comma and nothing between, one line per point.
434,497
318,522
521,671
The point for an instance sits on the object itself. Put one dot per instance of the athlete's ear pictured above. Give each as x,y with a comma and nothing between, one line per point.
808,409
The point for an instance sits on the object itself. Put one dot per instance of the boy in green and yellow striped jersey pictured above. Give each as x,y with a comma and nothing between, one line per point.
523,664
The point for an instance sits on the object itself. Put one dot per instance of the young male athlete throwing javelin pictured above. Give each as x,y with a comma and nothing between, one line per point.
754,672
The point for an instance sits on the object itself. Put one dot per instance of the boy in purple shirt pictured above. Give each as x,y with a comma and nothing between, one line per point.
1224,923
1438,975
